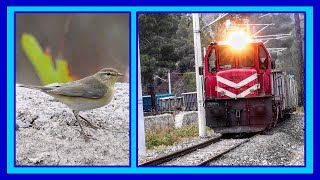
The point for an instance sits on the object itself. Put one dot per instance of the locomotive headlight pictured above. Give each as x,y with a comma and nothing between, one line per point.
222,93
251,91
238,40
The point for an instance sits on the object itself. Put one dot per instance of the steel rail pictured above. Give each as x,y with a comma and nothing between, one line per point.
221,154
179,153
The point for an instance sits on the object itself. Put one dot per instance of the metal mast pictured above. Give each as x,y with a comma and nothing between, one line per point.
141,130
199,78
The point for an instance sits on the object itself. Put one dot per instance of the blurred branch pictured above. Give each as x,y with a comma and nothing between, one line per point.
42,62
66,28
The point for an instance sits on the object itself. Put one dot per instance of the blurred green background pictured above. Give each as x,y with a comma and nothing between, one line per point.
88,42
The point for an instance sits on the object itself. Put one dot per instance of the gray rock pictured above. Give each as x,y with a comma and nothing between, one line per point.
186,118
48,134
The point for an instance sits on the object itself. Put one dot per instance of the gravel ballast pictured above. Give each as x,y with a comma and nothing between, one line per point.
48,134
203,154
282,146
164,150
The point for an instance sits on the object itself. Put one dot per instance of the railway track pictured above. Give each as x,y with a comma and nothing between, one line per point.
198,155
216,156
179,153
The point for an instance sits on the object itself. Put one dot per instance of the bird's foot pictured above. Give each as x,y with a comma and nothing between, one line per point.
89,123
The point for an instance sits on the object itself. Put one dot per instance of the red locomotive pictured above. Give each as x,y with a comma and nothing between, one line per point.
243,93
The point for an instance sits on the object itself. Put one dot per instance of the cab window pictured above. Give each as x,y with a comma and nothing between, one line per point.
263,58
246,57
212,61
226,57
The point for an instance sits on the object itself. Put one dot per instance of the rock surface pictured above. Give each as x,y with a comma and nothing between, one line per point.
186,118
158,122
165,121
47,132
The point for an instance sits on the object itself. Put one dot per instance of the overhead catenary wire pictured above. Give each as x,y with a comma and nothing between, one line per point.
264,15
215,20
183,73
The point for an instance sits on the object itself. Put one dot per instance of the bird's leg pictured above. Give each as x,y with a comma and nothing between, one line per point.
88,122
76,114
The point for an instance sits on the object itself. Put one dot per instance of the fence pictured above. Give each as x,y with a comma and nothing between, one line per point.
169,102
190,101
147,101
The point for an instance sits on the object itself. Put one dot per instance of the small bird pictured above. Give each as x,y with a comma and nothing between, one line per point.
88,93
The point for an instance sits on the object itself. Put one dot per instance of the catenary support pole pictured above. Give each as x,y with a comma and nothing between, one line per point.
169,81
141,130
198,63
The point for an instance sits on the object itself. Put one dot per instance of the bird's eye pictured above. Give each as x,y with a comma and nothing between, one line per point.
108,74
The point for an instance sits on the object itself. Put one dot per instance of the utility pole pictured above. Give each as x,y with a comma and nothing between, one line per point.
169,82
141,130
198,63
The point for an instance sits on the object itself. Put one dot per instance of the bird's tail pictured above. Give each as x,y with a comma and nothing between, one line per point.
42,88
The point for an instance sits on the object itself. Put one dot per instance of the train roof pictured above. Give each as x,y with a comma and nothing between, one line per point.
256,41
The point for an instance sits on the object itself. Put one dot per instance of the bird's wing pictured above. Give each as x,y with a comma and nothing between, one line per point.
87,89
43,88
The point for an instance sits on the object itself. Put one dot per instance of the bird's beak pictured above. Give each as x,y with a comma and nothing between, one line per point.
119,74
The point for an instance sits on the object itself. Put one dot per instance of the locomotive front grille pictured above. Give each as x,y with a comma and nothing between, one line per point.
254,112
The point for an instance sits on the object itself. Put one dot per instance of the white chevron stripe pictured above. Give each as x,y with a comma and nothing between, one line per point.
237,85
241,95
227,93
246,92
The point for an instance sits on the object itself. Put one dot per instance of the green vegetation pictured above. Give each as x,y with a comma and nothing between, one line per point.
300,109
169,137
43,64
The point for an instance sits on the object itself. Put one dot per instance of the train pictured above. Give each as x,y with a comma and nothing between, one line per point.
243,92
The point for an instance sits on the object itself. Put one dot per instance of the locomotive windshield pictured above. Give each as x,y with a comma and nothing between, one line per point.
246,57
226,57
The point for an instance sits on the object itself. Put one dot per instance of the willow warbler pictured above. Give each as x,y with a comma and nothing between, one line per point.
88,93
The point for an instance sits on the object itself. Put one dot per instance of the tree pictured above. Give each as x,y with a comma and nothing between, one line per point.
157,50
300,57
184,44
